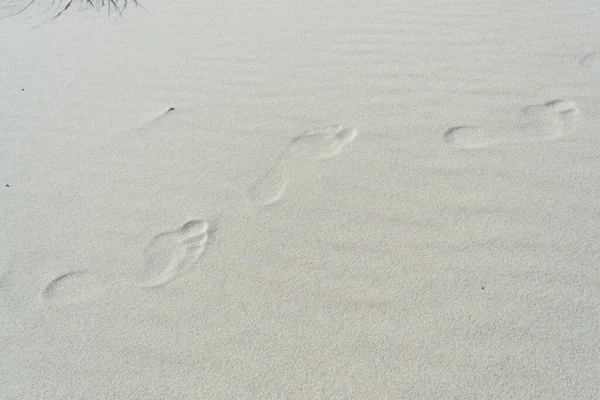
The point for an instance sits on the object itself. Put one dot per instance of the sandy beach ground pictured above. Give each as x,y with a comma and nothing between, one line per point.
301,200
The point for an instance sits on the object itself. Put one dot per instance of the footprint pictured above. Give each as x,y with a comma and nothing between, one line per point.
591,62
565,107
269,188
171,254
548,121
337,142
323,142
539,122
468,137
568,111
72,287
320,143
316,136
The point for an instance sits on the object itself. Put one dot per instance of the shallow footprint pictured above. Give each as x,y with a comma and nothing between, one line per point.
320,132
468,137
269,188
568,111
172,253
547,121
591,62
311,142
538,122
564,107
323,142
535,123
72,287
337,142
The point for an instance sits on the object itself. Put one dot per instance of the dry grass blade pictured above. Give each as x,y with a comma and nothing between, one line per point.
118,6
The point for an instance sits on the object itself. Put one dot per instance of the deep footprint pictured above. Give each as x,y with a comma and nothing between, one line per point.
72,287
171,254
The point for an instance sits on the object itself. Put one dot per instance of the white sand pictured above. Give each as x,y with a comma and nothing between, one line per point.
442,242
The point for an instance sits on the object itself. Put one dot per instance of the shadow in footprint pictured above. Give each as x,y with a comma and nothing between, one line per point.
171,254
468,137
535,123
72,287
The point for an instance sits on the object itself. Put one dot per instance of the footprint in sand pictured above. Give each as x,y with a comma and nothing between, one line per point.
321,143
567,111
535,123
269,188
468,137
324,142
335,144
72,287
591,62
171,254
168,255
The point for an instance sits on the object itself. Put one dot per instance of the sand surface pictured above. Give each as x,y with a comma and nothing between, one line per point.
301,199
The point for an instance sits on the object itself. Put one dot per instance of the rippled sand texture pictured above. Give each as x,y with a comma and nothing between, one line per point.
301,199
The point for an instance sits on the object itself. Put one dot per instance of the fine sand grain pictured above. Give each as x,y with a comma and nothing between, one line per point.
301,200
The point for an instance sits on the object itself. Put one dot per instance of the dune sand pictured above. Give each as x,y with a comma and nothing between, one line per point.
297,200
